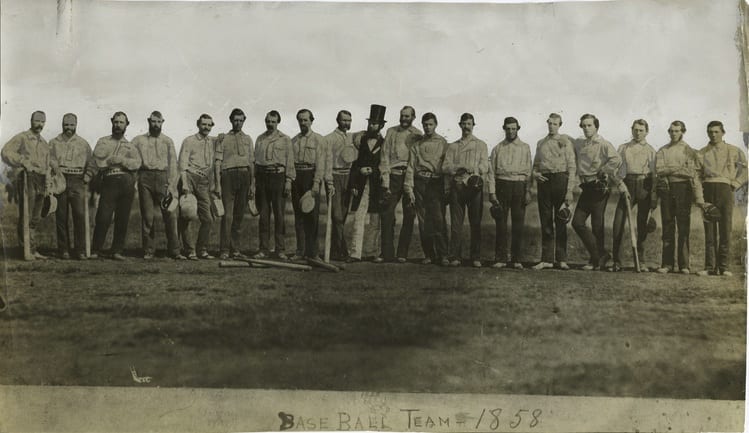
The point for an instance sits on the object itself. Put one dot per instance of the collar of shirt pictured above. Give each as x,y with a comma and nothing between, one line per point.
466,141
63,139
340,132
33,135
677,144
717,146
595,139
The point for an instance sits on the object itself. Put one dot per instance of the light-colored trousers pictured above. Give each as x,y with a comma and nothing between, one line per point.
367,241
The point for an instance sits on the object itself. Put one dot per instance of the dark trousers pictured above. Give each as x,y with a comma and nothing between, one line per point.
36,184
510,195
151,190
463,198
718,234
639,191
305,224
200,188
74,197
117,193
676,206
235,185
430,209
591,204
269,195
339,212
553,232
388,221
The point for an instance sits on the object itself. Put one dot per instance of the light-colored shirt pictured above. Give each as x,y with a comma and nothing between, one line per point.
555,154
470,154
275,149
335,143
396,149
427,155
158,153
73,152
594,155
724,163
234,150
510,160
678,162
637,158
197,154
109,146
30,147
306,147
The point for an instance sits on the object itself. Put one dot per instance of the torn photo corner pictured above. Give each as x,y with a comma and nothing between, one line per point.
256,344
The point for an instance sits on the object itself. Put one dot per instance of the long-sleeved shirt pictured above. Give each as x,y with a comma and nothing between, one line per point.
396,149
275,149
30,147
556,154
309,148
470,154
678,162
427,156
158,153
72,153
234,150
722,162
336,144
197,155
510,160
109,146
594,155
637,158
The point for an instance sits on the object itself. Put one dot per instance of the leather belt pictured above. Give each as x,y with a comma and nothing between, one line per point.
271,169
427,174
304,166
71,170
114,171
399,171
588,178
197,170
341,170
236,168
553,173
632,176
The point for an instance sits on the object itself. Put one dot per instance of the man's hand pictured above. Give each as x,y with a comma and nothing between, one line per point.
330,188
461,171
114,160
493,199
624,191
540,177
355,192
315,189
287,188
26,164
220,137
411,197
527,199
653,201
366,171
568,198
251,193
54,166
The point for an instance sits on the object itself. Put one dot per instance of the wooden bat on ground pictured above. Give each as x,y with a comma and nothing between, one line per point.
328,228
86,222
320,264
632,233
25,210
277,264
238,264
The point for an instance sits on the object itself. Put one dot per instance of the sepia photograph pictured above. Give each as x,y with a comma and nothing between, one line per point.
224,216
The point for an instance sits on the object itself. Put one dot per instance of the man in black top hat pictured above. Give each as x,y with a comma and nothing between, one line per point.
365,182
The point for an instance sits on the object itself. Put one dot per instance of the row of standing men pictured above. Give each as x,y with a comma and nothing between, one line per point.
369,173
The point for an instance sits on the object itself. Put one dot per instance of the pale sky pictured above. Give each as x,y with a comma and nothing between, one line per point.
622,60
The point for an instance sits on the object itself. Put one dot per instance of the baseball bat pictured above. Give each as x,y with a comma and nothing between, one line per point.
86,222
238,264
320,264
328,228
25,222
276,264
632,233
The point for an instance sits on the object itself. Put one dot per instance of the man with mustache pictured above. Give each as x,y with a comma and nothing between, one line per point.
235,162
198,177
340,152
116,159
465,158
157,177
28,153
71,155
309,165
365,185
275,172
398,143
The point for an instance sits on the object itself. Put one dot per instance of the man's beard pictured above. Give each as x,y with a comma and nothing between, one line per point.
154,130
69,132
117,131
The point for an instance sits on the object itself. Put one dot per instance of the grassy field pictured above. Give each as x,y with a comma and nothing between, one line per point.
373,327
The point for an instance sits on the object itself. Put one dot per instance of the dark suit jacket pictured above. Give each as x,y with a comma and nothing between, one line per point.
367,158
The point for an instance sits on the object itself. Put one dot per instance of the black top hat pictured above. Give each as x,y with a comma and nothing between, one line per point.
377,114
